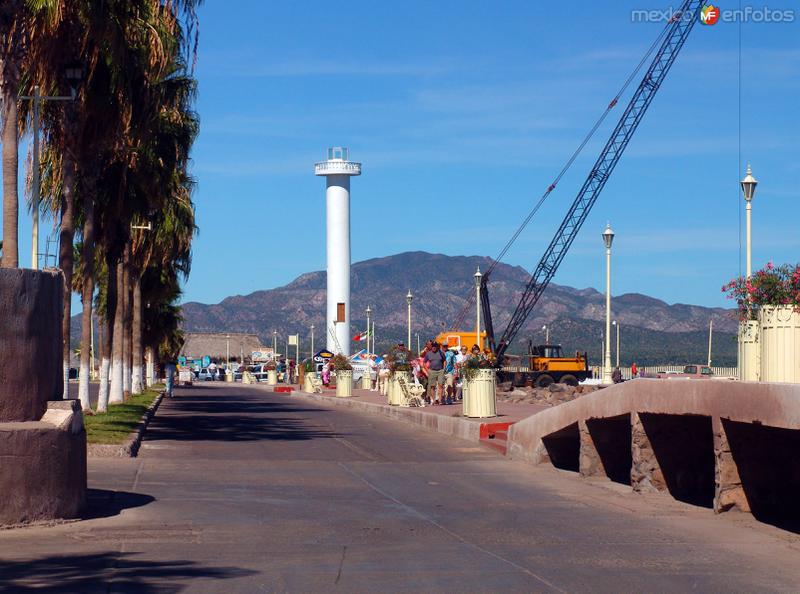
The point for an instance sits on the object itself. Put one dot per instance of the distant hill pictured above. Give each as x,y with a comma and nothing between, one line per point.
652,331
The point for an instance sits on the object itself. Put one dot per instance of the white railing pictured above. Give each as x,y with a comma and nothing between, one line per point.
649,370
597,370
348,167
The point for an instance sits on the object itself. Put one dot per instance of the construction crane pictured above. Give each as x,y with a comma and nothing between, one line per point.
674,37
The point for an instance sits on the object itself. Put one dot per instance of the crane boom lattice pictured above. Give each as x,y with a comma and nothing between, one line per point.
680,26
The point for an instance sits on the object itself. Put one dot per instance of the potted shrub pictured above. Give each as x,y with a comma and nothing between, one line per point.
479,389
272,372
769,311
344,375
399,363
309,375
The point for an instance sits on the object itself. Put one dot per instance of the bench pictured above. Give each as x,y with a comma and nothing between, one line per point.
412,392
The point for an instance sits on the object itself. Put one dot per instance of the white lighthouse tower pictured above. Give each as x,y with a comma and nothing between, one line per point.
337,171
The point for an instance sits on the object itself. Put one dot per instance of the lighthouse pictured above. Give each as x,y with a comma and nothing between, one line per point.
337,170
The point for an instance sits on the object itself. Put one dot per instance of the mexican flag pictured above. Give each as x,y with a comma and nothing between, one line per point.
361,336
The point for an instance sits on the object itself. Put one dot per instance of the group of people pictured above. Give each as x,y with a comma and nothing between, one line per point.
616,375
438,368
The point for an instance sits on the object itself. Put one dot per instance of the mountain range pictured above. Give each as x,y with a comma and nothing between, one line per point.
652,331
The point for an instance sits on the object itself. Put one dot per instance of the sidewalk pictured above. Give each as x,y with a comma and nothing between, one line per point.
445,419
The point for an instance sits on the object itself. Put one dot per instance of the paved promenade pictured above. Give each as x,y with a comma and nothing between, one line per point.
237,489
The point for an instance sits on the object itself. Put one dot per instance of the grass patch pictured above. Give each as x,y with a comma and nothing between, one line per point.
114,426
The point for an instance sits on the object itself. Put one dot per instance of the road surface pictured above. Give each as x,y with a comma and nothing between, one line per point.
237,489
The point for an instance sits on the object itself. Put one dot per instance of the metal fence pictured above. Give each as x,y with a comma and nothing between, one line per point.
597,370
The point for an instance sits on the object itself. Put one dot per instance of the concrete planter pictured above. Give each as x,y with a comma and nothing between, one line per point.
272,377
395,392
308,386
344,383
779,344
749,351
479,394
366,383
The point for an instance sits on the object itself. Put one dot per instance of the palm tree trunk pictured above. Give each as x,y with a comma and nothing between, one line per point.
10,171
88,293
136,372
108,335
66,259
151,366
127,324
117,352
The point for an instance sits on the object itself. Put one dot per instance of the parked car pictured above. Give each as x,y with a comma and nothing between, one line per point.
205,375
260,372
689,372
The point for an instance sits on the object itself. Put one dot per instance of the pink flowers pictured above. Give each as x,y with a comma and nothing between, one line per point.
770,286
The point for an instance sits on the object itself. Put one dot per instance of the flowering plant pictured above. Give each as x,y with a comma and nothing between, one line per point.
772,285
341,363
473,363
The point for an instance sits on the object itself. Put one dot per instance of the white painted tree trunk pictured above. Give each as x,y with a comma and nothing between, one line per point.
102,397
116,394
151,368
65,393
137,387
83,385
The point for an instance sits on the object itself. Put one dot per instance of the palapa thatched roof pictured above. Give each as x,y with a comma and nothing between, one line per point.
214,344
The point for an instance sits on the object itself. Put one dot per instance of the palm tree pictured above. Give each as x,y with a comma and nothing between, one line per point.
12,28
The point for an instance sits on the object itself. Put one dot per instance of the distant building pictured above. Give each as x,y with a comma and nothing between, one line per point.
215,345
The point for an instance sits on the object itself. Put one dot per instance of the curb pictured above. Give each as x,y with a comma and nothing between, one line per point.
130,448
454,426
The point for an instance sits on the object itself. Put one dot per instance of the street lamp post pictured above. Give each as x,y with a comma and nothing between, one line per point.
73,73
274,344
369,314
608,239
228,351
546,334
312,341
409,299
478,277
749,184
615,323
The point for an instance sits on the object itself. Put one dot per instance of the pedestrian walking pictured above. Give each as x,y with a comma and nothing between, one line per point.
373,373
435,360
326,373
634,370
616,376
169,372
449,373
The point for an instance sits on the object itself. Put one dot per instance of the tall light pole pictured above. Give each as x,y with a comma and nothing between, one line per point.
312,341
228,351
409,299
369,315
608,239
274,344
546,334
749,184
478,277
615,323
73,73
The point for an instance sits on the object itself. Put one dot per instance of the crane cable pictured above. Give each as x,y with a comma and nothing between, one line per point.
566,167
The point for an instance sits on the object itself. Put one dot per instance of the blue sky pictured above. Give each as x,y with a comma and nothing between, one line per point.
462,113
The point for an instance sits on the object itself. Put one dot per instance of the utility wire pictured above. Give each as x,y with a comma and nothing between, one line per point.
564,170
739,171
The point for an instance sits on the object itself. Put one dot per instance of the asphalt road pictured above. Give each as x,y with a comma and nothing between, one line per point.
240,490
